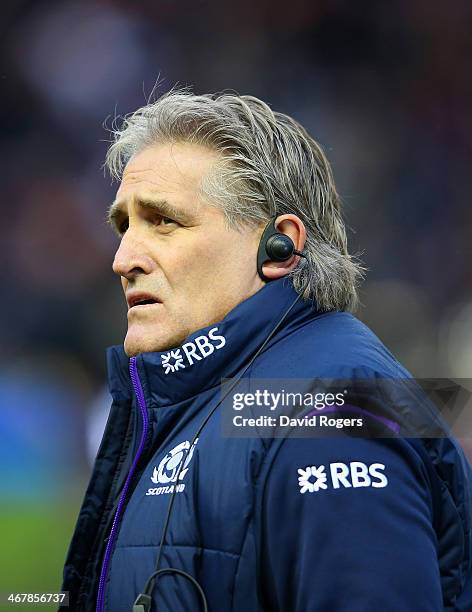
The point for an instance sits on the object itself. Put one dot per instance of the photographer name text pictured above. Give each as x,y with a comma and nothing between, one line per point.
285,421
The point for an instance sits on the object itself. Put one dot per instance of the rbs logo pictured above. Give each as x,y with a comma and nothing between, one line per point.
356,474
190,352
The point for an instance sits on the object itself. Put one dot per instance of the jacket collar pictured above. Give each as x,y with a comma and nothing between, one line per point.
211,353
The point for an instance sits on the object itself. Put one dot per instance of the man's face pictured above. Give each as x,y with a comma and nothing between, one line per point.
176,253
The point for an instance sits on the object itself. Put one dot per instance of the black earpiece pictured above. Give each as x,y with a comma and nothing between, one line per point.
274,246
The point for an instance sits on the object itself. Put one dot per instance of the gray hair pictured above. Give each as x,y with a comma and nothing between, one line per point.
269,166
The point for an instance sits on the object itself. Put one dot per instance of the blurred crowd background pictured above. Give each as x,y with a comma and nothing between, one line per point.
385,87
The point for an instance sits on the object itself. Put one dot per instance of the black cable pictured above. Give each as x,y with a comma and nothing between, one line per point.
143,602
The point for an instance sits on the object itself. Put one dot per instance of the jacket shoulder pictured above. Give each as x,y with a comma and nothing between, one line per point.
331,344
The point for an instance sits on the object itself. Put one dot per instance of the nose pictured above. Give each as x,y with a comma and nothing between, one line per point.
132,256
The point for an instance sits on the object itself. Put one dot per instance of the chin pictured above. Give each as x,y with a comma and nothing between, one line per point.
136,343
134,347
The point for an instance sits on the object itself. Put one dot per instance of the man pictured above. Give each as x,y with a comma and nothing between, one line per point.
255,523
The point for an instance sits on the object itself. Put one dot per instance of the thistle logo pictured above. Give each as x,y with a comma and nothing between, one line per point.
167,470
200,348
353,475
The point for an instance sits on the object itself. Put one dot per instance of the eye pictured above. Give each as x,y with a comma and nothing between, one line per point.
123,227
161,221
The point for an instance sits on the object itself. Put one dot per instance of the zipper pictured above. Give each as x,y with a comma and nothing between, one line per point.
138,390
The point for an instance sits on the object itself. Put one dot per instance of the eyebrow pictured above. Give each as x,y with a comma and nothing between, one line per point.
116,213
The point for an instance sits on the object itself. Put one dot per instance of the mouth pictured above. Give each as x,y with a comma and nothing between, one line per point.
137,300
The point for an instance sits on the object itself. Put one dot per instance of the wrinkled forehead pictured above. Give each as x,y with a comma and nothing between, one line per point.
167,177
169,166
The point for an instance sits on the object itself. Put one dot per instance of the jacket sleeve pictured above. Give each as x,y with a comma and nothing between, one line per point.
346,526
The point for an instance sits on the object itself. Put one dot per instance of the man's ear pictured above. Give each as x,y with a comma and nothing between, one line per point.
293,227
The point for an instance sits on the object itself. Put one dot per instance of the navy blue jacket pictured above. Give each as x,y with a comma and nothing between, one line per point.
323,524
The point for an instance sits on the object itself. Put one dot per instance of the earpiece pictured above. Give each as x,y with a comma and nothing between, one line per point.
274,246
